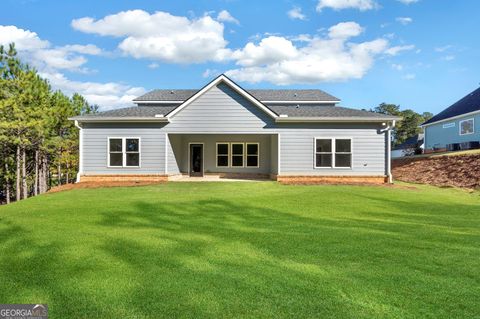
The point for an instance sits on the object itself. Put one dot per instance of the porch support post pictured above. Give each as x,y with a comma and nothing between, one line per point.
166,153
278,154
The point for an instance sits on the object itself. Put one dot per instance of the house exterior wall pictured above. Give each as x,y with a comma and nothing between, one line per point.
95,148
437,137
223,115
297,148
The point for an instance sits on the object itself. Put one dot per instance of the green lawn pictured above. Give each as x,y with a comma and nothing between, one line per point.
203,250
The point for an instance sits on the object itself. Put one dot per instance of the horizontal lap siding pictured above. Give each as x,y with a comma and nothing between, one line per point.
95,148
438,137
297,149
221,109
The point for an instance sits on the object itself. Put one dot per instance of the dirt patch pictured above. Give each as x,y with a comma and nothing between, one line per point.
83,185
445,171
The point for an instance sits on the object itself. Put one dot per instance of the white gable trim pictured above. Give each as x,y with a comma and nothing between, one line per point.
233,85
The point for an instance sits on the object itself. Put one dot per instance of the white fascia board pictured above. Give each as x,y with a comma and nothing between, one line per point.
237,88
333,119
453,118
121,119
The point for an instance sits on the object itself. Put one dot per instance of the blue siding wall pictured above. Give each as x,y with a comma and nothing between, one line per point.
438,137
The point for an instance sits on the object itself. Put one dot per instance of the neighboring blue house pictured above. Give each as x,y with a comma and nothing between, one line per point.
455,128
225,130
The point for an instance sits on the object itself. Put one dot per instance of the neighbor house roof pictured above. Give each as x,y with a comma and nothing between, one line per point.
410,142
468,104
261,95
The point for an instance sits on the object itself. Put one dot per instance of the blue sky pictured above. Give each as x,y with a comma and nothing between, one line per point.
421,54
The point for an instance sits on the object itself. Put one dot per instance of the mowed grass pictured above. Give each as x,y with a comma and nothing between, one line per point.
252,250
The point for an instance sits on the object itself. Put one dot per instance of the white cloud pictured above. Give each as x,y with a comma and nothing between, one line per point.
40,53
404,20
108,95
397,49
153,65
408,1
225,16
397,67
332,58
409,76
161,36
209,73
361,5
270,50
296,14
448,58
345,30
444,48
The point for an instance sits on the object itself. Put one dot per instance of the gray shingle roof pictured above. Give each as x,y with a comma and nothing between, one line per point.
322,111
262,95
307,111
134,111
468,104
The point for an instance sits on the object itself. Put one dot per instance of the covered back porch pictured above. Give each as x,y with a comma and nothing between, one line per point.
222,156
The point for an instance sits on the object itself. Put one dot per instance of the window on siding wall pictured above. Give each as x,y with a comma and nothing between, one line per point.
222,154
323,153
237,155
124,152
253,159
467,127
343,153
333,153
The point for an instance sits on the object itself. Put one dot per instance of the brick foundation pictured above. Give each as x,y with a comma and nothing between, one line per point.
292,179
124,178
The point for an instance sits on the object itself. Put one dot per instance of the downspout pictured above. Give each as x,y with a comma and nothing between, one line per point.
388,130
80,151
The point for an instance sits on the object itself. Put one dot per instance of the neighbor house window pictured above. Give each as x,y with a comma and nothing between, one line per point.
123,152
222,154
237,154
333,153
467,127
253,155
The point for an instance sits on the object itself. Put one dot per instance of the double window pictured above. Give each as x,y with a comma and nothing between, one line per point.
467,127
123,152
333,153
238,154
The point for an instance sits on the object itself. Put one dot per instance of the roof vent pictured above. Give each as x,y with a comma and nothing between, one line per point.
171,92
295,94
298,105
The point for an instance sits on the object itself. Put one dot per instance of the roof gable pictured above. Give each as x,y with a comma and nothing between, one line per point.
224,79
468,104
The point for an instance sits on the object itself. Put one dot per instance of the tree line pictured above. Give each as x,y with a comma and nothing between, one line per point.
38,144
408,126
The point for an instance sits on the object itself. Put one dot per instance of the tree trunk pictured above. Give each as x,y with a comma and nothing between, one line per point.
35,182
59,169
24,173
43,174
7,184
66,173
17,176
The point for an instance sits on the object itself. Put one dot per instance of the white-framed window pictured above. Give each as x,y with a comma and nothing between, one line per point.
253,154
467,126
237,154
123,152
223,154
333,153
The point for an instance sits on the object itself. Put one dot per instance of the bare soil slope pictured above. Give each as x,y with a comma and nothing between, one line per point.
458,171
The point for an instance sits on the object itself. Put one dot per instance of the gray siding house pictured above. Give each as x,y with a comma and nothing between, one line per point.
223,129
457,127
